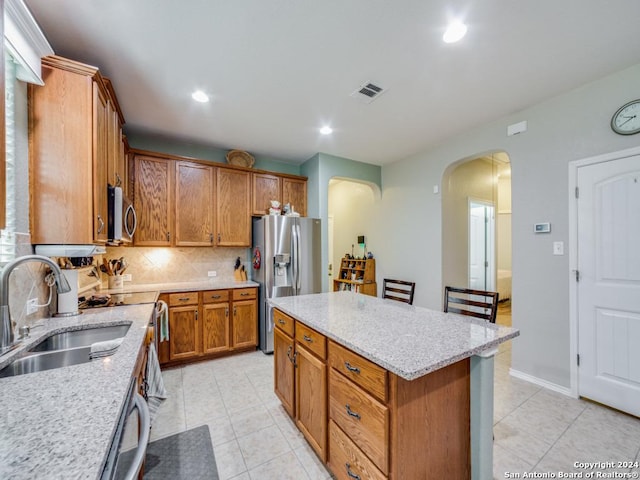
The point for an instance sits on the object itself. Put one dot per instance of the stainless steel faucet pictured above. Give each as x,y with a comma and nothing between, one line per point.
6,327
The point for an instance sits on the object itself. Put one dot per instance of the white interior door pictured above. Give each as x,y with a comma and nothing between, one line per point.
608,290
481,246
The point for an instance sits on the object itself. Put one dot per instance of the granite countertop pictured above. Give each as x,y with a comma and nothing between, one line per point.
407,340
166,287
59,423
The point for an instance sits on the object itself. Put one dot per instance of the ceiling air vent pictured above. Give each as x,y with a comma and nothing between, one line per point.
368,92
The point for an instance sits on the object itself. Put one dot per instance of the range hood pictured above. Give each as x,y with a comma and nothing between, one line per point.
70,250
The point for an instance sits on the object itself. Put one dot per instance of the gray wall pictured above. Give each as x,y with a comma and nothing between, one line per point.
569,127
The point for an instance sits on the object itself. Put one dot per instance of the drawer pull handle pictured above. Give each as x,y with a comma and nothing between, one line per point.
351,413
350,473
350,368
216,296
307,338
245,294
281,321
184,299
289,353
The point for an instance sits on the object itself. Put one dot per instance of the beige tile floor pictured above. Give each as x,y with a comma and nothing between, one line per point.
536,430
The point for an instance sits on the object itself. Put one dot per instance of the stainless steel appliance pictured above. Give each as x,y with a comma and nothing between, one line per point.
122,220
289,252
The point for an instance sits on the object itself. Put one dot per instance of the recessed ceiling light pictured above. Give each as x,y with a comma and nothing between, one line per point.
455,32
200,96
326,130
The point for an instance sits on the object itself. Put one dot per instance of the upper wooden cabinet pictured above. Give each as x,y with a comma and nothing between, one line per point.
267,187
153,200
194,204
233,215
68,135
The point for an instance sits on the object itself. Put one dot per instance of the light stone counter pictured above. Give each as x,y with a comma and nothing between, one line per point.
165,287
59,423
407,340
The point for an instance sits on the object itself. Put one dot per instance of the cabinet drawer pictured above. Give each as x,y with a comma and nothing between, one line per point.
215,296
364,419
346,460
283,322
312,340
365,373
183,298
244,293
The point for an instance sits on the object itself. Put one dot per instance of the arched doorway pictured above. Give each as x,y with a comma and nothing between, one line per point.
476,230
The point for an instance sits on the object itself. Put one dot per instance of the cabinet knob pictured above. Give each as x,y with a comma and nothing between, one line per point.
211,238
226,312
219,238
168,236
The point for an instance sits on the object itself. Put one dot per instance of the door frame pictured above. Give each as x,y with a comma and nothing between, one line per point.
573,253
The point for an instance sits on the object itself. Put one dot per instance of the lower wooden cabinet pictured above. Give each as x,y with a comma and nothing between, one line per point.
366,422
209,323
300,380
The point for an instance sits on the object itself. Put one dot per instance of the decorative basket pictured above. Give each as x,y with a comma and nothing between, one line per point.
240,158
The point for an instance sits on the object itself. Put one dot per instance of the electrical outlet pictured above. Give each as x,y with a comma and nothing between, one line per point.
32,306
126,277
212,273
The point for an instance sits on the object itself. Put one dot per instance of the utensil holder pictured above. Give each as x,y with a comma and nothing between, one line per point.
116,282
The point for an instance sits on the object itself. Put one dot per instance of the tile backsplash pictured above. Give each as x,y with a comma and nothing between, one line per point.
149,265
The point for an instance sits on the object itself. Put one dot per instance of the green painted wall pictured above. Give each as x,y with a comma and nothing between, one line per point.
320,169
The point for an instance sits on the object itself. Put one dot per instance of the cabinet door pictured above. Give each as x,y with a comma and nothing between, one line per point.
245,324
311,399
283,370
153,201
100,163
294,192
184,332
264,189
233,214
113,147
215,327
194,204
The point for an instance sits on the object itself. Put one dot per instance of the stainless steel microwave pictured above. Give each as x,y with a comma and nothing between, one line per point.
122,220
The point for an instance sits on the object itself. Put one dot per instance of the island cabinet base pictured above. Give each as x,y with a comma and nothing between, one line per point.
366,422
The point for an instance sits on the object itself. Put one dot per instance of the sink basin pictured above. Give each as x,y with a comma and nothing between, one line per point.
81,338
63,349
38,362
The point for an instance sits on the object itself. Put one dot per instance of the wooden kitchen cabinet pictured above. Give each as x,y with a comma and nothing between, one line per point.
215,322
300,378
194,204
233,215
153,201
266,187
68,154
294,192
116,161
245,311
210,323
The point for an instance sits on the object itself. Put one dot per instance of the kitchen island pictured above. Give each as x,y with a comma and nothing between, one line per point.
382,389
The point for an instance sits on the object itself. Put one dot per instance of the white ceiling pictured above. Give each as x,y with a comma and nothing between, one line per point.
278,70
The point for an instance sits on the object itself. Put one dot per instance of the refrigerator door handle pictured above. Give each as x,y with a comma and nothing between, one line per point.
295,259
298,256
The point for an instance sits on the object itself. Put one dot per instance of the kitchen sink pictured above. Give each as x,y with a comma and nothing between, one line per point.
63,349
81,338
38,362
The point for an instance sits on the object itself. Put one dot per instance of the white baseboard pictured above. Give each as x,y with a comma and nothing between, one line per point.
543,383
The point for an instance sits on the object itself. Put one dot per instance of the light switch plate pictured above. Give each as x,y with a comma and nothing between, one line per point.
558,248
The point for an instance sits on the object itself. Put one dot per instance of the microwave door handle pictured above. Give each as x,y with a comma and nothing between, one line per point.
131,211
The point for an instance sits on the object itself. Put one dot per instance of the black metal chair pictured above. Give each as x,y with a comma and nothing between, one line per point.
473,303
399,290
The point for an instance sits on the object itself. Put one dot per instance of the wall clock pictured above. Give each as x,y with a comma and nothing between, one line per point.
626,121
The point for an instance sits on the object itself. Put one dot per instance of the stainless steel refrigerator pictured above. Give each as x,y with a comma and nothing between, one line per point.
289,250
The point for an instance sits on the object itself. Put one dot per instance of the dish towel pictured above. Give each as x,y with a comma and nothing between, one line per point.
163,317
156,393
105,348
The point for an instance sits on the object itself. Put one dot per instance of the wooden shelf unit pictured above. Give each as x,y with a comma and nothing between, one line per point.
358,276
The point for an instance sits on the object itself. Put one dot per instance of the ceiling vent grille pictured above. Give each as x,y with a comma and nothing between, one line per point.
368,92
